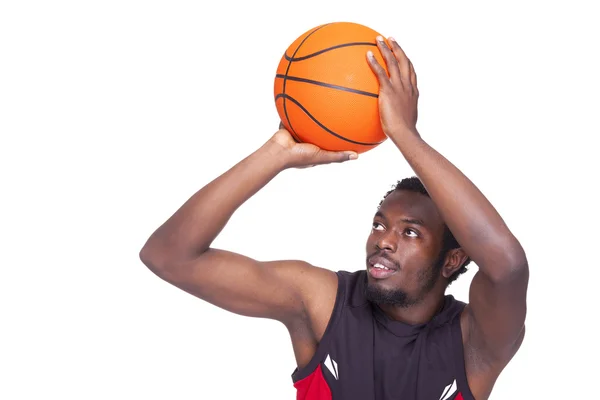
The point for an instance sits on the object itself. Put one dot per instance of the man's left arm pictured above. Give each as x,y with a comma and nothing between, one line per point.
495,316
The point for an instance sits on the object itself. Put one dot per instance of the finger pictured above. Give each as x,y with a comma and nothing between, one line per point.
377,69
403,61
327,157
413,78
290,131
390,59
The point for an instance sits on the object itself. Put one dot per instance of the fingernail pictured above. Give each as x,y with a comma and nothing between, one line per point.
380,38
370,54
352,156
392,39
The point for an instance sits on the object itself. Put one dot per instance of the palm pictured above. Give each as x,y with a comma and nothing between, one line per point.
303,152
303,155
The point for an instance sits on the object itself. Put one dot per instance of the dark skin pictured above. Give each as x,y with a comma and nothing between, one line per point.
301,295
408,231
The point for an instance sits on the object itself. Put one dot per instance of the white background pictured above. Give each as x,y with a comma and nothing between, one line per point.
113,113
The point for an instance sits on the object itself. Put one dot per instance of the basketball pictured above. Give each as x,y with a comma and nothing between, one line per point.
326,93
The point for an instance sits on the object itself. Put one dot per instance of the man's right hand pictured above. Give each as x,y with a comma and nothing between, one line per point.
303,155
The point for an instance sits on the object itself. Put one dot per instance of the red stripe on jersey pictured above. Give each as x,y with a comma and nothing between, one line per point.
459,396
313,387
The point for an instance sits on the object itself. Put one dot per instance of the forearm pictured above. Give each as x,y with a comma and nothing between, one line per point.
192,228
475,223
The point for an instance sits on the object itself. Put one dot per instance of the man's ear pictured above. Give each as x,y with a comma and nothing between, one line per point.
454,260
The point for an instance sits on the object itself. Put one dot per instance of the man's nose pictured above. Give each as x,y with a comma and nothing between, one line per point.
387,241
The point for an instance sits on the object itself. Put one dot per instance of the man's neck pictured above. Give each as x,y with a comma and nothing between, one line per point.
416,314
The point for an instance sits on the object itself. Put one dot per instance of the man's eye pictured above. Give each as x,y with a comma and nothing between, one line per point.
412,233
377,226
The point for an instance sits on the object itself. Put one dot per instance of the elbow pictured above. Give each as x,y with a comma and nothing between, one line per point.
162,263
153,260
512,271
517,261
510,267
515,272
146,256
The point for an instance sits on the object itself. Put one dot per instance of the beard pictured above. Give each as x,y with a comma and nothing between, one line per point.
400,298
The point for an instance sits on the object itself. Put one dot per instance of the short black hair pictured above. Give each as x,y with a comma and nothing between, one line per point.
414,184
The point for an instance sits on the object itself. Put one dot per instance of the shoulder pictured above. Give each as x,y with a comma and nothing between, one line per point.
305,279
325,291
315,282
318,289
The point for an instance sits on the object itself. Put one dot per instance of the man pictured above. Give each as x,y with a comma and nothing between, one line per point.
389,331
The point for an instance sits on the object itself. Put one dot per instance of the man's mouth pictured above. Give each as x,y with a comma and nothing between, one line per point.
381,268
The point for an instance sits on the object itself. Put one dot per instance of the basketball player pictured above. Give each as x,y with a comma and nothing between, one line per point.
387,331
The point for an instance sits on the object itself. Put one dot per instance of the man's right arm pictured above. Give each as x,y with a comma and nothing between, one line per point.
179,250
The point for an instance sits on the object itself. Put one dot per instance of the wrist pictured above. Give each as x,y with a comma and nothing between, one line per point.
274,154
402,134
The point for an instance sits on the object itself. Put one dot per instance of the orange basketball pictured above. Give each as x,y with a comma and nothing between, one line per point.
325,91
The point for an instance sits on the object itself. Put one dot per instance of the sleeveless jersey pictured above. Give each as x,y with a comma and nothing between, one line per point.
365,355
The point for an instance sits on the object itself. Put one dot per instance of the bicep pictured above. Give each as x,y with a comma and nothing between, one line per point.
496,312
242,285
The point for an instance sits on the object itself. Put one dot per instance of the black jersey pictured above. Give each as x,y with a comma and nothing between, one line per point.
365,355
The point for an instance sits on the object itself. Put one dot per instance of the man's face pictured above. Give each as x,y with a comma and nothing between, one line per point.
403,249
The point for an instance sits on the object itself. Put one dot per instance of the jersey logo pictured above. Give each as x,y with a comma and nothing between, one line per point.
332,367
448,391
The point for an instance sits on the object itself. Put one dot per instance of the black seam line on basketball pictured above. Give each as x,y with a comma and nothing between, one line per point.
327,85
285,96
292,58
284,80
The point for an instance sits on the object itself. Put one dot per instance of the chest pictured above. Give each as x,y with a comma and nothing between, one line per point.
367,361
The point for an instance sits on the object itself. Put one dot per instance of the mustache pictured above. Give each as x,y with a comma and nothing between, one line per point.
381,254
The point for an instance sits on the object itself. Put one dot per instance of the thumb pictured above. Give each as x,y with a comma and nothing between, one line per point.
326,157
